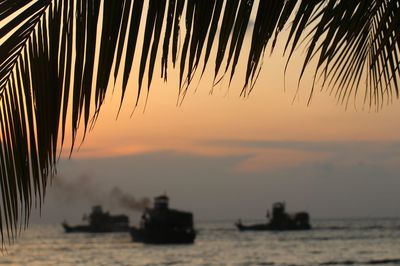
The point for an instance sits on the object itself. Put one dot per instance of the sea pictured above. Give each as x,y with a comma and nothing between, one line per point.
330,242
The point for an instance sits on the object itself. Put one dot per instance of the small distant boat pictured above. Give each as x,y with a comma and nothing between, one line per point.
100,222
162,225
280,220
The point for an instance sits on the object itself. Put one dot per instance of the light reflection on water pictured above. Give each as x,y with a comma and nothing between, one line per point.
332,242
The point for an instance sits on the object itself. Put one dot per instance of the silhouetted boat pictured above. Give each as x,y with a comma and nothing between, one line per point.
280,221
100,222
162,225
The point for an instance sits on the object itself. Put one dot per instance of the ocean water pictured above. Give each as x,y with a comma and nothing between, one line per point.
331,242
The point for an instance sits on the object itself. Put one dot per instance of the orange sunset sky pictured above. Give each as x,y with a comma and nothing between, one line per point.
223,155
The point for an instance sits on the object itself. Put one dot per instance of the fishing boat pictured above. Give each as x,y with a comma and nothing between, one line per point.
100,222
280,220
162,225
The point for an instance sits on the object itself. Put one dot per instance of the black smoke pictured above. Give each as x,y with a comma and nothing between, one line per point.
84,188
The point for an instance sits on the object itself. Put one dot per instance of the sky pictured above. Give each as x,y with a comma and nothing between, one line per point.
224,156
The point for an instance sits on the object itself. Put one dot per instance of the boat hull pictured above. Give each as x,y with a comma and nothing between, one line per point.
91,229
160,236
269,227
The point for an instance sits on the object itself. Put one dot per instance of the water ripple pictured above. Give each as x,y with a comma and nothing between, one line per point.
340,242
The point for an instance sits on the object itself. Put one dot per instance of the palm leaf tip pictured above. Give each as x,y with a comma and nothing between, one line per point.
352,41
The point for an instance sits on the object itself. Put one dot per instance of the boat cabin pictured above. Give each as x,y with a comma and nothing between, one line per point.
161,202
278,209
163,225
104,221
100,222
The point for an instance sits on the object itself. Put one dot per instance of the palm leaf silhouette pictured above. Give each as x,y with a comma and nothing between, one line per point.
51,64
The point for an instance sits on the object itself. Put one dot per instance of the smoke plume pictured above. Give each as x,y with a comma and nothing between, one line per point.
127,201
84,188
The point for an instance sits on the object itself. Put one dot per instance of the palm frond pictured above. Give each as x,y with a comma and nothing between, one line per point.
352,41
59,57
24,167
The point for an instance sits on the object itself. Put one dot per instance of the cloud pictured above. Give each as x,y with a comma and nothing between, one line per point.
329,179
267,154
306,145
269,159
